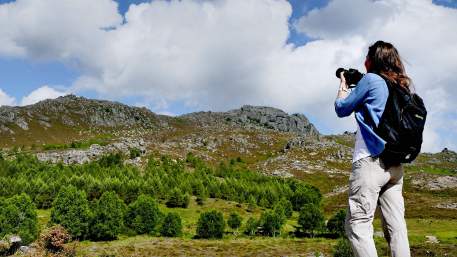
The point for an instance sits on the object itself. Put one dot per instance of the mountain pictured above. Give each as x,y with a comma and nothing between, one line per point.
71,117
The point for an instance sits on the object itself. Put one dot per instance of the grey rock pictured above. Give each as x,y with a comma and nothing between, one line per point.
256,117
94,152
432,239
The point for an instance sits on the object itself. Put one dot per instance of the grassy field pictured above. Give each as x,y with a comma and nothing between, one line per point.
236,244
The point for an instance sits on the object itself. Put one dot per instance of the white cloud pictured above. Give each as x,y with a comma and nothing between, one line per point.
40,94
5,99
223,53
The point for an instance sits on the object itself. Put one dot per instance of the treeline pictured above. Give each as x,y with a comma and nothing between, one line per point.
105,198
163,178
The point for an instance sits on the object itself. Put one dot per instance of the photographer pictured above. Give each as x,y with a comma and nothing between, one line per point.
372,182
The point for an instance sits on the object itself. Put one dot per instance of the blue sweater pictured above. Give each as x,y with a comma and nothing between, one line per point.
367,100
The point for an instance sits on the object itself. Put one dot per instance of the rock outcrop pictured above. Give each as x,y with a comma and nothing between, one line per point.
80,156
257,117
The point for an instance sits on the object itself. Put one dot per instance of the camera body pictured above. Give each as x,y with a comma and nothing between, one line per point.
352,76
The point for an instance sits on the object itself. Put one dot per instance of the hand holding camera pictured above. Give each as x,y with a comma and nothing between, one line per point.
351,76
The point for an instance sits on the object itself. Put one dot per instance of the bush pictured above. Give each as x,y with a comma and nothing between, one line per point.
171,226
71,210
178,199
251,227
134,152
335,224
234,220
310,219
271,223
343,249
211,224
18,216
108,219
143,215
54,239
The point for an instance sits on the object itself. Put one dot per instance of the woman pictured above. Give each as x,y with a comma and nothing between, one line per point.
370,182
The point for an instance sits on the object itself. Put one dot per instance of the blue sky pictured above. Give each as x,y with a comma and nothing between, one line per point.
19,76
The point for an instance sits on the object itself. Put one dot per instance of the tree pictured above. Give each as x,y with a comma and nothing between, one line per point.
108,219
271,223
305,195
71,210
178,199
234,220
211,224
335,224
310,218
251,226
171,225
287,205
18,216
143,215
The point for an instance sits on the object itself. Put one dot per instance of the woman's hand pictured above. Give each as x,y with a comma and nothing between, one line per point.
344,89
343,84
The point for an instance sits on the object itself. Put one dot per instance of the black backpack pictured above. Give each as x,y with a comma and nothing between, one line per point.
401,125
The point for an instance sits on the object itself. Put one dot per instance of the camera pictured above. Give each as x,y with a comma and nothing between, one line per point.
352,76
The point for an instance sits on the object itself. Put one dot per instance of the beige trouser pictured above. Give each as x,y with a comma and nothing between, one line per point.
369,185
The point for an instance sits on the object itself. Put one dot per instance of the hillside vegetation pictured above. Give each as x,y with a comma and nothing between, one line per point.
139,177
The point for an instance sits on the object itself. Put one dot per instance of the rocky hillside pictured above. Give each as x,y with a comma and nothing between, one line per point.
257,117
71,117
53,121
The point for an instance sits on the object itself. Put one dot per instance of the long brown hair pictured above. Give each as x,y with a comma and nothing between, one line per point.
385,60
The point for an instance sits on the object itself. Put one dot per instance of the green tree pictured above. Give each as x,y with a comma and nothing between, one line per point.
304,195
251,226
287,205
234,220
18,216
178,199
171,225
143,215
71,210
310,219
108,219
335,224
271,223
211,224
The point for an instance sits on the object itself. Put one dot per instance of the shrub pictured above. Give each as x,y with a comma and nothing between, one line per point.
54,238
343,248
134,152
234,220
71,210
210,224
143,215
310,218
178,199
171,225
251,227
108,218
18,216
271,223
335,224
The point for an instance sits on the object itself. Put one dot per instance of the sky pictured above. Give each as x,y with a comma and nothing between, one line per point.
175,57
